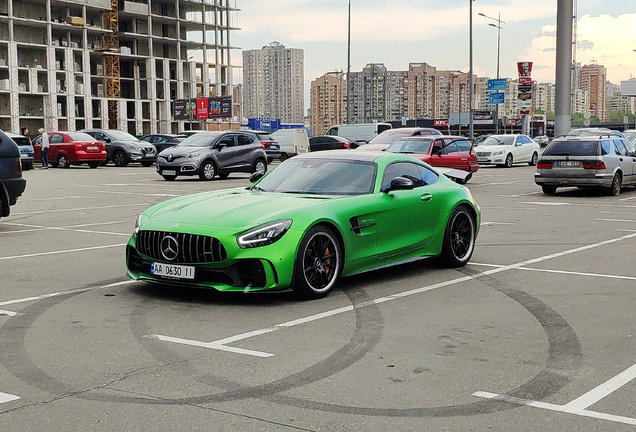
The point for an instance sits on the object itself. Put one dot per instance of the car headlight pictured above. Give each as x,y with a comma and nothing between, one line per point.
264,234
193,155
500,152
138,223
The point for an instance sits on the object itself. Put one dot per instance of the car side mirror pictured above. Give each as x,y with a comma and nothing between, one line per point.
400,183
437,153
107,140
256,176
221,146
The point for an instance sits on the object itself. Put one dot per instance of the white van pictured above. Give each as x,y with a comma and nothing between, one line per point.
291,142
363,132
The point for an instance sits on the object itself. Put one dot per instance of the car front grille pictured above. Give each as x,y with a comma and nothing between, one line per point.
482,154
192,248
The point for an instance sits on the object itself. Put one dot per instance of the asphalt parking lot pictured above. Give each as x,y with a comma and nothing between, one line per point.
536,333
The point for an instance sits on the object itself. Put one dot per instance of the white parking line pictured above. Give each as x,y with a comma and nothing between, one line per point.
615,220
22,200
605,389
61,251
6,397
7,313
79,209
547,203
565,272
498,223
223,342
138,194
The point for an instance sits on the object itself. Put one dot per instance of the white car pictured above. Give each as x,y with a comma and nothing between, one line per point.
506,150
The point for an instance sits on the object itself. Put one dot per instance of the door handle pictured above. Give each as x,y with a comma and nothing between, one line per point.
464,159
620,159
426,197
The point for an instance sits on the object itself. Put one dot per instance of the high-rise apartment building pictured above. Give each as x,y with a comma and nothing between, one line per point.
273,83
420,91
55,57
328,102
593,78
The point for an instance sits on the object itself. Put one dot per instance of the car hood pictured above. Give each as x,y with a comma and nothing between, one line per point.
491,148
236,208
180,151
131,143
374,147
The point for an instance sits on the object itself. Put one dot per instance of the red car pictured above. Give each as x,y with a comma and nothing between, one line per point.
72,148
441,151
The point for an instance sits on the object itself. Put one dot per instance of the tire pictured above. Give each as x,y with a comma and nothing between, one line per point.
146,164
509,161
318,263
169,177
224,175
93,164
459,238
62,161
120,159
104,163
548,190
615,188
283,157
534,160
259,166
207,171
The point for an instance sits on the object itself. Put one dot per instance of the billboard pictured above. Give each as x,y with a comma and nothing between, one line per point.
524,68
628,88
202,108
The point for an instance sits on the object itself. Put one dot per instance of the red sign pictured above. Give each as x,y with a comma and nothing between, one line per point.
524,68
202,108
440,122
525,80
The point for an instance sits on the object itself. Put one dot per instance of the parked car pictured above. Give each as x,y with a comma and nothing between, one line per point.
211,154
330,142
362,132
598,131
388,137
191,132
122,148
314,218
269,144
506,150
585,161
292,142
72,148
12,184
542,140
455,152
163,141
630,135
27,155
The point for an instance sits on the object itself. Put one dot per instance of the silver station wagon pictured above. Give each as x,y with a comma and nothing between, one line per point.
587,161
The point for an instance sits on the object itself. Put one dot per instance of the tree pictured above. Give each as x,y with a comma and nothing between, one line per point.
550,116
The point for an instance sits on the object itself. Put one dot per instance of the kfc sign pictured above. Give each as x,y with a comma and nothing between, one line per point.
437,123
524,68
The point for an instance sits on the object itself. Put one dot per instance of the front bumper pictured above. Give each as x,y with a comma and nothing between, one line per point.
256,269
603,180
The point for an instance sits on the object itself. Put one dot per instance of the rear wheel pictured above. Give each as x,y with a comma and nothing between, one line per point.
224,175
120,159
548,190
62,161
208,171
615,188
259,166
534,160
459,238
93,164
318,263
283,157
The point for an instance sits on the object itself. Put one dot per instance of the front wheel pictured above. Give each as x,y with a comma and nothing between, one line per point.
318,263
459,238
509,161
62,161
120,159
208,171
534,160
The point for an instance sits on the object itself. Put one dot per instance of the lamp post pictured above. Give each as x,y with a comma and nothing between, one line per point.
498,27
349,65
471,131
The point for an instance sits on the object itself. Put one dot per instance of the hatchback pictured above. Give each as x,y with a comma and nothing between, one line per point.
72,148
163,141
269,144
585,161
211,154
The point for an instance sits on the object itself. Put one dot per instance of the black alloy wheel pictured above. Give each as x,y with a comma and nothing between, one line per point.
318,263
120,159
459,238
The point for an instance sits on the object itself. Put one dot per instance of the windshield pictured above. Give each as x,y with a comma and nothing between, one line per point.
80,136
320,176
121,136
199,140
630,135
390,136
571,148
499,140
22,141
420,146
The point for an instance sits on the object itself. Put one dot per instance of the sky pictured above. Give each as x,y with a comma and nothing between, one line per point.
399,32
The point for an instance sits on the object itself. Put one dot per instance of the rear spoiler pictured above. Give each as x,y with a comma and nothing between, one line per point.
456,175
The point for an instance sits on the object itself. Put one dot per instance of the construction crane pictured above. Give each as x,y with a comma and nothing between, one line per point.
112,69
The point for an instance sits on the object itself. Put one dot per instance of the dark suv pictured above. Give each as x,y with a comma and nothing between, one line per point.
11,182
211,154
122,148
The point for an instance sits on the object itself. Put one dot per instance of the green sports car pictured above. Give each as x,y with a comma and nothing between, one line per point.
314,218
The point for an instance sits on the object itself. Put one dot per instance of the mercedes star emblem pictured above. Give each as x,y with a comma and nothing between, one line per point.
169,248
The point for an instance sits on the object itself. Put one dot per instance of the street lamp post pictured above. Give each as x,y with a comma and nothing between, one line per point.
499,28
471,131
349,65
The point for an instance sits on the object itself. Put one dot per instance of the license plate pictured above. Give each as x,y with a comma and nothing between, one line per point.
92,148
172,271
567,163
482,159
169,172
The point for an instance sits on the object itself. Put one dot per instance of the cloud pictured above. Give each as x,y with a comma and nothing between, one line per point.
606,39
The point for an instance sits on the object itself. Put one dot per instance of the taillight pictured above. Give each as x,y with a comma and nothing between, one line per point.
263,145
78,146
544,165
595,165
18,167
347,145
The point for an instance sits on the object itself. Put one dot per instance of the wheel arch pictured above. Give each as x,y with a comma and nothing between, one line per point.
4,200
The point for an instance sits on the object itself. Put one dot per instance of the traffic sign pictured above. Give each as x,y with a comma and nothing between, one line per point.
496,98
496,84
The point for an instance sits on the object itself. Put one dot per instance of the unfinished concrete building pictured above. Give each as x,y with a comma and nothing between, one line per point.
73,64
